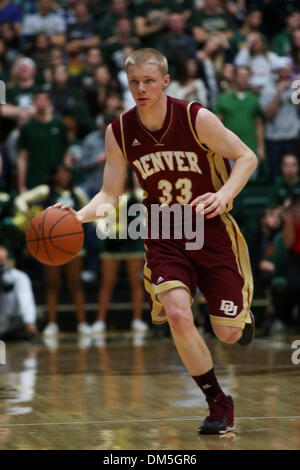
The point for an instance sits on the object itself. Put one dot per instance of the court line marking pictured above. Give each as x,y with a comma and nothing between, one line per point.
137,421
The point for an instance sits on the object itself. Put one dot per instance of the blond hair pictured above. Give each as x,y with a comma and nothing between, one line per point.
148,56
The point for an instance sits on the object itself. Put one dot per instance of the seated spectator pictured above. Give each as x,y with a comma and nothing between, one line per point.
175,44
55,57
82,34
42,143
113,46
107,24
259,59
10,13
59,189
17,304
127,99
113,104
282,120
151,20
295,54
186,85
288,184
44,21
67,100
251,24
212,20
239,102
282,42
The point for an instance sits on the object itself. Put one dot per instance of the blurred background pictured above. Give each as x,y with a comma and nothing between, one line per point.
62,63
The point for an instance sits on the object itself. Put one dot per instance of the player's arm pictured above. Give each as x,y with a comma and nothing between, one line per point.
222,141
115,173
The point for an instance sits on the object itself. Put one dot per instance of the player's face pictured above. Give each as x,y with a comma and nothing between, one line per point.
146,84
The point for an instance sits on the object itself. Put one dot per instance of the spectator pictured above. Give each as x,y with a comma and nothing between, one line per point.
93,59
261,62
113,46
42,144
55,57
67,100
175,44
44,21
251,24
17,304
295,54
239,102
288,184
227,77
212,20
118,9
10,13
103,85
282,42
40,52
93,157
186,85
128,101
282,119
11,45
59,189
113,251
151,20
82,34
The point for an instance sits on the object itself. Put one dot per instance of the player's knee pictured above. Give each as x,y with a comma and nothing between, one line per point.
179,318
228,334
177,306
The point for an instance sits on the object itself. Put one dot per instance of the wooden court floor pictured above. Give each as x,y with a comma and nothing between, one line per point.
128,393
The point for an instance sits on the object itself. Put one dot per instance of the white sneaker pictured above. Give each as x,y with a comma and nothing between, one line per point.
84,329
139,325
51,330
98,327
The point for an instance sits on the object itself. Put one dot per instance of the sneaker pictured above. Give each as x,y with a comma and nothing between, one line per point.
84,329
248,332
98,327
51,330
139,325
221,418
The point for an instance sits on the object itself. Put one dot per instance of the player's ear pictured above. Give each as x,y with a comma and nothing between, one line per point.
166,81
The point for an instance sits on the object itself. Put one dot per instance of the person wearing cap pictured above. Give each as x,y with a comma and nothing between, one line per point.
282,124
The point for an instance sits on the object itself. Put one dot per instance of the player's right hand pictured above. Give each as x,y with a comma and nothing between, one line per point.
64,207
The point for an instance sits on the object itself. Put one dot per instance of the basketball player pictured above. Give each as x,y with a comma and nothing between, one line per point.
180,153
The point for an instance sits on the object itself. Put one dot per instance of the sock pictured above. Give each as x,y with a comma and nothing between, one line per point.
209,384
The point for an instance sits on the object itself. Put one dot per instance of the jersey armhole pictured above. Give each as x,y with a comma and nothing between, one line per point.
192,115
118,131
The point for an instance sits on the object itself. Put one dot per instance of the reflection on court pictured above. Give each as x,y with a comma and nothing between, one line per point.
130,393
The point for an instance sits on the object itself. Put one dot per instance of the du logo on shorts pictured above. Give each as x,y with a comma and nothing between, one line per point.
228,308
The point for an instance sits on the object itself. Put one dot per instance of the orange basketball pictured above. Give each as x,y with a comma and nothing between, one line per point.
54,236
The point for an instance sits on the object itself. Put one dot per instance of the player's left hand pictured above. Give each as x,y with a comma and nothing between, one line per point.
211,204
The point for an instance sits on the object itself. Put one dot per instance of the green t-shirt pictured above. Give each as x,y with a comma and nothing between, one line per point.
282,191
282,43
239,115
46,144
21,97
213,23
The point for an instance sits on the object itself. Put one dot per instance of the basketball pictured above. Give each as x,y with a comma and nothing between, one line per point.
54,236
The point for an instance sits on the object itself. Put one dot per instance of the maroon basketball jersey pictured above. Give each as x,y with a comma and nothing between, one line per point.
172,165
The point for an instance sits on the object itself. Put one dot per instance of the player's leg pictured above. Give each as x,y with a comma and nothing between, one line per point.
135,268
197,359
73,272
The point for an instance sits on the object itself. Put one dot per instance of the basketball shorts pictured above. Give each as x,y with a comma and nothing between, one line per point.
221,270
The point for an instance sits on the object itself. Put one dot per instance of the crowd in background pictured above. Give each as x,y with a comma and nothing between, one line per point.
62,63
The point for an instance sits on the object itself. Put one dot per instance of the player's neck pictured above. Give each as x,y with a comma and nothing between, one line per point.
153,118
